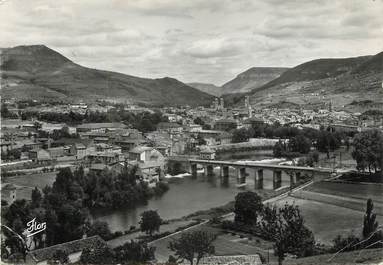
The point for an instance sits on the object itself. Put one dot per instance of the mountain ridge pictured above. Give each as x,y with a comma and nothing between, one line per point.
319,82
207,88
36,71
318,69
252,78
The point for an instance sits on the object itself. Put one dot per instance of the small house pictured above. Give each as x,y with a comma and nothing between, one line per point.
39,155
78,150
56,152
207,154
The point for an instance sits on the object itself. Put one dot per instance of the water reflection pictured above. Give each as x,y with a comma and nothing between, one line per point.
185,196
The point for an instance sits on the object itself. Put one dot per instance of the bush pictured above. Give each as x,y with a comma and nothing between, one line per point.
227,225
161,188
117,234
247,207
59,257
100,228
345,243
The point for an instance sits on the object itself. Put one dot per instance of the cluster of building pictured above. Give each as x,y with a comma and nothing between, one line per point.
188,131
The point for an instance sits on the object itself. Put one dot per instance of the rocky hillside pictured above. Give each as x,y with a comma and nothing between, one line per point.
37,72
344,82
252,78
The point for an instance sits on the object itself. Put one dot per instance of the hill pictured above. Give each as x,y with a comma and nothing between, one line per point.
38,72
315,83
207,88
318,69
251,79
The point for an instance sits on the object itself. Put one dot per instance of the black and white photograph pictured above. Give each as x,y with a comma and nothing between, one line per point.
166,132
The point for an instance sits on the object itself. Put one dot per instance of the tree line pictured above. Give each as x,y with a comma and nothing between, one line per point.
300,140
65,205
143,121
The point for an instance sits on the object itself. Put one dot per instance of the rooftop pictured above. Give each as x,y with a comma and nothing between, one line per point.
79,146
140,149
69,247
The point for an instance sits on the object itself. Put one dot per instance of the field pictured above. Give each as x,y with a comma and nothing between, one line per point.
225,244
26,183
326,220
357,191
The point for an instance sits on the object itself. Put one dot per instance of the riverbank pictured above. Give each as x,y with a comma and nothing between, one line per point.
193,220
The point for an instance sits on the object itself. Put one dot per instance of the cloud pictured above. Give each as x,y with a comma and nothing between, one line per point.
199,40
209,48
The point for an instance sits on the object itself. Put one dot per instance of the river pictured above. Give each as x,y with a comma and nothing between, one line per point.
185,196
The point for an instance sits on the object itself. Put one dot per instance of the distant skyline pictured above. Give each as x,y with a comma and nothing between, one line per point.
208,41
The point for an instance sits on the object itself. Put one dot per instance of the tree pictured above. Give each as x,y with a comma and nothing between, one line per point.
193,245
199,121
100,253
4,111
134,252
315,156
300,144
63,181
150,222
100,228
368,150
269,220
327,141
246,208
201,140
19,209
369,222
242,135
11,154
347,243
278,149
36,197
59,257
292,236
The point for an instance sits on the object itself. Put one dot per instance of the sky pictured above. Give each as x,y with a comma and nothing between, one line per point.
209,41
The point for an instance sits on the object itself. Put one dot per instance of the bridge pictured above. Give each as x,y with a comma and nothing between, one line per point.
295,172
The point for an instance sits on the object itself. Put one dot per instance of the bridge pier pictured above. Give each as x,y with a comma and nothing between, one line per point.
258,174
205,170
209,170
277,179
193,168
241,175
293,179
188,167
224,172
297,176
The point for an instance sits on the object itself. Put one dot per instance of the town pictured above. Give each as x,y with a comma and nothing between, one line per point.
204,132
150,146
